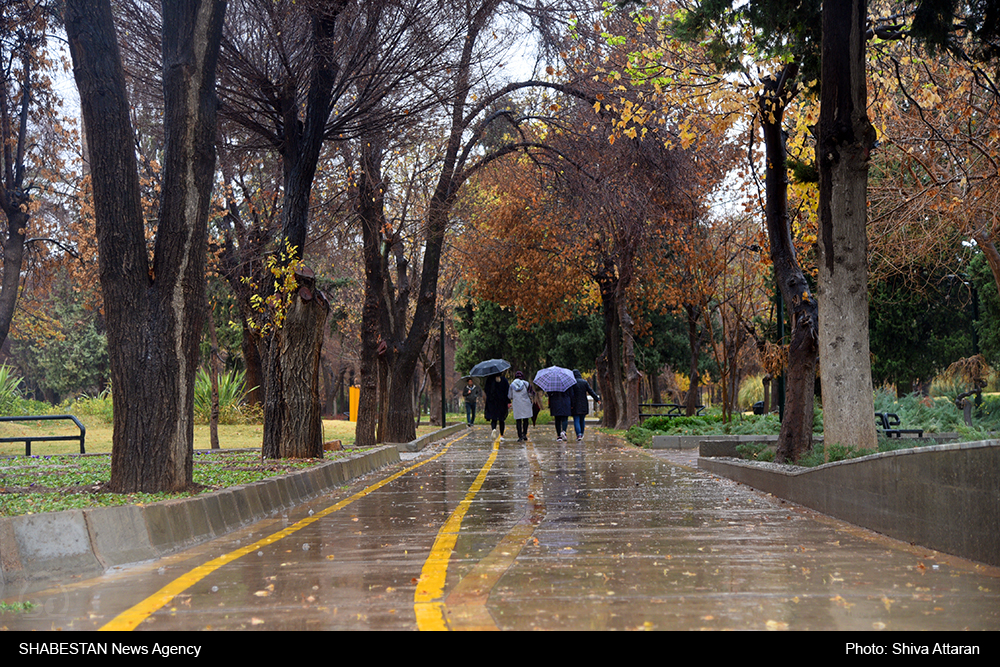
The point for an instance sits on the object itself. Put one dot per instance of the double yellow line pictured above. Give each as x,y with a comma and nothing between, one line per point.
428,602
132,617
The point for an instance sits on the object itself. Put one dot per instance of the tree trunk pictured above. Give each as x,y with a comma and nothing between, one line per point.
214,369
434,386
632,375
989,248
612,393
845,141
293,416
795,437
609,406
251,346
303,140
13,258
694,340
369,205
154,313
301,340
17,101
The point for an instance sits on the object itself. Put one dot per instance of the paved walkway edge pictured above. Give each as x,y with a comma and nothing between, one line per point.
50,545
423,441
944,497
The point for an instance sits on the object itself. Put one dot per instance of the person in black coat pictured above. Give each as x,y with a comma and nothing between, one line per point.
580,406
560,407
496,389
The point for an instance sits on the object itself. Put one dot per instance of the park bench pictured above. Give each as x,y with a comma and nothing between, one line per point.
28,439
673,410
888,422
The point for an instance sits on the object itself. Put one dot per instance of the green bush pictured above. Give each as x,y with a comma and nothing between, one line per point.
684,425
99,407
756,451
10,394
751,391
639,436
232,391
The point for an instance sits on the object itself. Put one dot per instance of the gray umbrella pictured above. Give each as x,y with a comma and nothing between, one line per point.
489,367
554,378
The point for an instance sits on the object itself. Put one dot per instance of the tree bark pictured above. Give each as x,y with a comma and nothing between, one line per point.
433,384
845,141
989,248
301,340
16,108
13,258
613,399
632,375
694,342
214,369
303,140
795,436
155,312
370,208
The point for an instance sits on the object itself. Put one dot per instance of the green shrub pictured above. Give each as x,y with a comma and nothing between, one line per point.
751,391
756,451
639,436
232,391
948,386
99,407
10,393
684,425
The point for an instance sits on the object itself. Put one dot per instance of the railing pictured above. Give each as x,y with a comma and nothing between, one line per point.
28,439
673,410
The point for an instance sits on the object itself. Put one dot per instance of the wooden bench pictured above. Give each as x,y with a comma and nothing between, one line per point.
28,439
888,422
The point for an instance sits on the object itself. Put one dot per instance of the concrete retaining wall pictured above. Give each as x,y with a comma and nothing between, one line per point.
945,497
86,542
725,445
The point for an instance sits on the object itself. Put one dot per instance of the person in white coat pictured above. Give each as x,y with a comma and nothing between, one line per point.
521,395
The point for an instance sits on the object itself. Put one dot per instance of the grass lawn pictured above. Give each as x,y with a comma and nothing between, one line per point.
57,478
98,438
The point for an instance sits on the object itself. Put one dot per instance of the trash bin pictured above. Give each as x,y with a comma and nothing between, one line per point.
758,408
354,398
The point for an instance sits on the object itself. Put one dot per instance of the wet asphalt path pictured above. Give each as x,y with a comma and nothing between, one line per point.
473,534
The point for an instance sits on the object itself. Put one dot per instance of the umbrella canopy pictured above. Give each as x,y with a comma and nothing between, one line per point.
555,378
489,367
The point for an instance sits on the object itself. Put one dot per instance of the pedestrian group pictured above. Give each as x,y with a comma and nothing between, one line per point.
523,400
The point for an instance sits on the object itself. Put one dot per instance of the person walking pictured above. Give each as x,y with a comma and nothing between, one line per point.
471,392
536,405
560,407
521,402
580,407
496,402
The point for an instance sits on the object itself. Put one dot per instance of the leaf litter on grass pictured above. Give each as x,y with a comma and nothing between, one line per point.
34,484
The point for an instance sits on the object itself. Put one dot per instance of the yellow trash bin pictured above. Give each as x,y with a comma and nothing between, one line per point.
354,396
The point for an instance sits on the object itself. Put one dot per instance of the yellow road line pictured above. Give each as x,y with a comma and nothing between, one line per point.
427,602
465,605
131,618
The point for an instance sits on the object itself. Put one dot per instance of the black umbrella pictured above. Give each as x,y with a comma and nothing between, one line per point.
489,367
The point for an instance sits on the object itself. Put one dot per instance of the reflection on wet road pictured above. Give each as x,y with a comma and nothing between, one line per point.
481,535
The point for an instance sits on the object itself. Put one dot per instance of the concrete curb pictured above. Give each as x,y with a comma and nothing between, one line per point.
86,542
423,441
944,497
